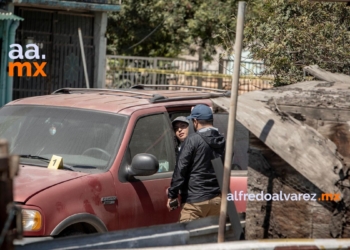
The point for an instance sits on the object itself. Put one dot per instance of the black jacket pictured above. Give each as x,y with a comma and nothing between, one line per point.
194,175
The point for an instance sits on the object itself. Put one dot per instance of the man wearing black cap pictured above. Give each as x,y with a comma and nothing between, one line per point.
181,127
194,175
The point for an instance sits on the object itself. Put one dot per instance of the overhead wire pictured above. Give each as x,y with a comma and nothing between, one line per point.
147,36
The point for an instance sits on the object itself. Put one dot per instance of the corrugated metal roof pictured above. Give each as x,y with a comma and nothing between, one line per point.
5,15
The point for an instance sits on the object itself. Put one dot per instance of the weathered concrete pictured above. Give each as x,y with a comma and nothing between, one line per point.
299,144
284,135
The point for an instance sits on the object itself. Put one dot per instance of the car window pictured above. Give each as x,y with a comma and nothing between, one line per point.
241,137
87,140
153,135
221,122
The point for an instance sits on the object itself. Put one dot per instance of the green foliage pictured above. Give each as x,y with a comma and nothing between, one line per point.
291,34
182,24
136,20
286,34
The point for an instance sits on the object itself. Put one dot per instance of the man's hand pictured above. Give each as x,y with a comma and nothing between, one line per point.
168,204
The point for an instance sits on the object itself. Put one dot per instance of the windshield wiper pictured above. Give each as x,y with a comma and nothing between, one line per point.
37,157
84,166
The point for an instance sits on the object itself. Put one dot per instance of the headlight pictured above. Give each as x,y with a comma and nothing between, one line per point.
31,220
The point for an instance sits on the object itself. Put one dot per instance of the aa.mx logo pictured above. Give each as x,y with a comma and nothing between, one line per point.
30,54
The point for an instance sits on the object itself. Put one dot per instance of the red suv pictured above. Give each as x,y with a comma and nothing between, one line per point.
118,153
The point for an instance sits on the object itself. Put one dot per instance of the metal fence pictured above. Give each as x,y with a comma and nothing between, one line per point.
126,71
117,77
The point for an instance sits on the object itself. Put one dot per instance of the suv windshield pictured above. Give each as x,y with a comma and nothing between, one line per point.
86,140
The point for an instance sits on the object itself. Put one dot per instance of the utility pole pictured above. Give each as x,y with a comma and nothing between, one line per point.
231,121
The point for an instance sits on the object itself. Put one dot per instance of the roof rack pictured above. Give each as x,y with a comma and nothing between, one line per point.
207,96
154,98
84,90
142,86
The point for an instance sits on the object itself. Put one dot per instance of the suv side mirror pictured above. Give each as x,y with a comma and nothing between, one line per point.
143,165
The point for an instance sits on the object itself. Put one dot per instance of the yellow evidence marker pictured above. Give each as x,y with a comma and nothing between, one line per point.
56,162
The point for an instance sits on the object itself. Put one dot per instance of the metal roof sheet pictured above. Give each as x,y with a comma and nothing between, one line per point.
93,5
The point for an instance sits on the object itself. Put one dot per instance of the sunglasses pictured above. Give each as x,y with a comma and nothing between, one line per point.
180,126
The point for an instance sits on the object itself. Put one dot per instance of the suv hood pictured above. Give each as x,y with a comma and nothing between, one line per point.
32,180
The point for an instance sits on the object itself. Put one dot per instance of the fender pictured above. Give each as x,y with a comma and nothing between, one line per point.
93,220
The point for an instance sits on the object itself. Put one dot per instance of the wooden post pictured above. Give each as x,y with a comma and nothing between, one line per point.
221,71
154,75
200,66
8,169
83,58
231,122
